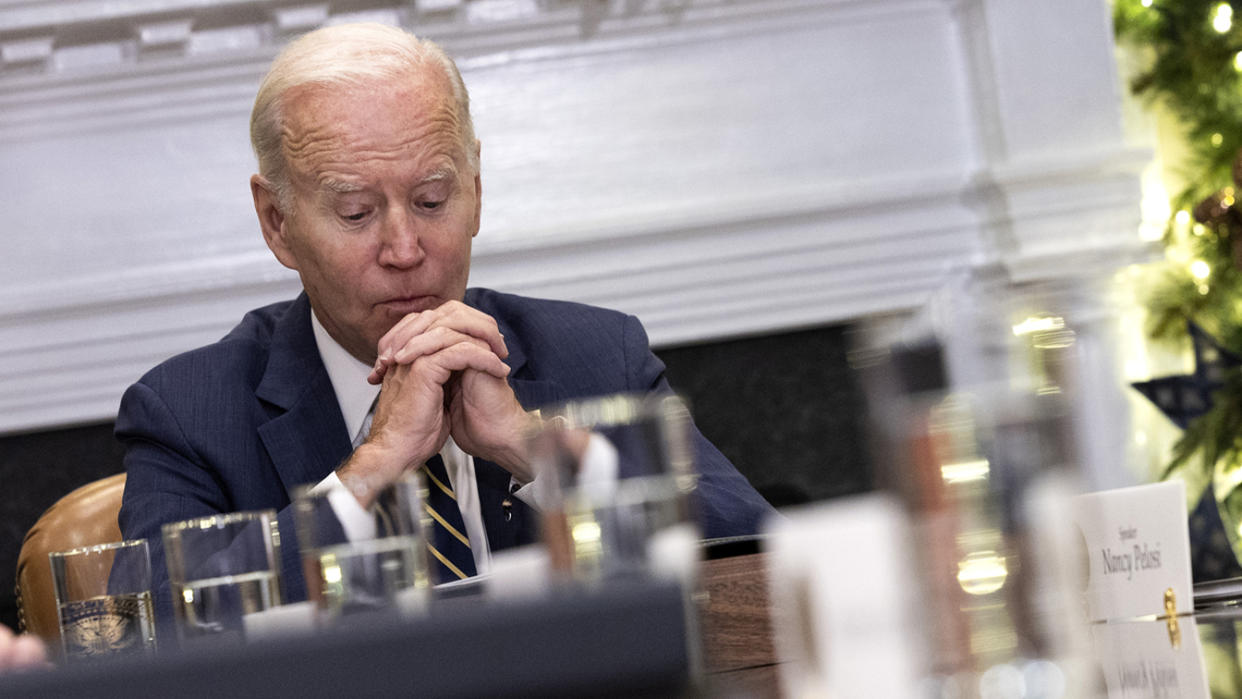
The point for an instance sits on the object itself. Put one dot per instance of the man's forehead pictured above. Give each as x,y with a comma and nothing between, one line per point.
422,89
326,127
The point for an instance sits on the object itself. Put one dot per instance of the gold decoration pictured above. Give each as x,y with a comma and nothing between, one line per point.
101,627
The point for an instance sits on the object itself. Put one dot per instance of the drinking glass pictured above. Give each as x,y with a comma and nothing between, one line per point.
103,600
357,559
622,468
222,568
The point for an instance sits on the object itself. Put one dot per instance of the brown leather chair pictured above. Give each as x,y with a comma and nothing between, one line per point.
84,517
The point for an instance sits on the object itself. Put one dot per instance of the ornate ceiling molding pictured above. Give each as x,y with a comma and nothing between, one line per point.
107,64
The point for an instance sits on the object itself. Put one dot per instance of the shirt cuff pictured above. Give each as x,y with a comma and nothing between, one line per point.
598,476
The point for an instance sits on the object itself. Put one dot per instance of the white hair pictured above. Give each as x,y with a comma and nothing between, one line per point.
344,55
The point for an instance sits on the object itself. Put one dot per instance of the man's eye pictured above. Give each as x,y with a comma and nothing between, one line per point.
430,205
355,217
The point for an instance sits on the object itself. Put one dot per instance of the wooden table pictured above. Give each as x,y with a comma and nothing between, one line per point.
739,655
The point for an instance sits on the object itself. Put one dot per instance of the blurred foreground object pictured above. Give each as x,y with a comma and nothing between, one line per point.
380,565
843,609
991,410
24,652
620,640
621,469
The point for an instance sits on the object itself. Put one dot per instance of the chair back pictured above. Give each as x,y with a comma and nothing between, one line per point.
84,517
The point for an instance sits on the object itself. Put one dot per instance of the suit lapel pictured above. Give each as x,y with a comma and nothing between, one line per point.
309,439
531,392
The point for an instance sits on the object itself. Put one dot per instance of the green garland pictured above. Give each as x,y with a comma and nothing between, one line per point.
1194,74
1191,49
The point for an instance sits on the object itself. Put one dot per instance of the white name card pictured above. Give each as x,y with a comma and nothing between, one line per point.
1137,547
844,597
1140,660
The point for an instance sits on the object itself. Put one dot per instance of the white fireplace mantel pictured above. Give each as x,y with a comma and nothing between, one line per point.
716,167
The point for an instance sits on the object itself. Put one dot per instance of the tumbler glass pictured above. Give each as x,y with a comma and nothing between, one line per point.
222,568
103,600
357,559
622,468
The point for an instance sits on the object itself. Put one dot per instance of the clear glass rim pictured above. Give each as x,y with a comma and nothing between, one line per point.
218,521
307,491
370,547
614,410
99,548
312,491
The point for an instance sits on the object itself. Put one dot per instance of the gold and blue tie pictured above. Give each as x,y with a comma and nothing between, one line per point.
448,544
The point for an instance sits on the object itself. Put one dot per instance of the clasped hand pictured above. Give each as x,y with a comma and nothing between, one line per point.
443,375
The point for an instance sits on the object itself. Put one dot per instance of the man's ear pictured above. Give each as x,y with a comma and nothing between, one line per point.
478,187
272,220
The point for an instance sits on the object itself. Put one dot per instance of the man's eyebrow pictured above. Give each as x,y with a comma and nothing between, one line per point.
438,175
343,187
340,186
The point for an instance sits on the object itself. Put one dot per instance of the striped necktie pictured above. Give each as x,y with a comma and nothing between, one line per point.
451,558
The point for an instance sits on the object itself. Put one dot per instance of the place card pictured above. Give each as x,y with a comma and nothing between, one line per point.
844,595
1156,659
1137,547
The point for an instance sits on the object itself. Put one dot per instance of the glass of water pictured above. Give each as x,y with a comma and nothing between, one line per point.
103,599
222,568
357,559
623,469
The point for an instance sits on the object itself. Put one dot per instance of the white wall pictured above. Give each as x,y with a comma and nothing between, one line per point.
718,167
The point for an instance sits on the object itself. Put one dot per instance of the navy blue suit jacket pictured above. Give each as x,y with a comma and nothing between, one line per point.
237,424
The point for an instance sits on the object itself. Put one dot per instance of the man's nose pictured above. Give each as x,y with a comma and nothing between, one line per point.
401,240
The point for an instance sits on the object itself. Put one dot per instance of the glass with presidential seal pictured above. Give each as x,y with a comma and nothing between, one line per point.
359,559
621,470
222,568
103,600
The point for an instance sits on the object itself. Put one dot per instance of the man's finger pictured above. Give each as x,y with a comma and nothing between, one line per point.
455,315
6,647
24,651
463,356
407,327
433,340
28,651
397,336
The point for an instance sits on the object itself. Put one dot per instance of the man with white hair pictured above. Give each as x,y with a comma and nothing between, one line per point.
369,188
